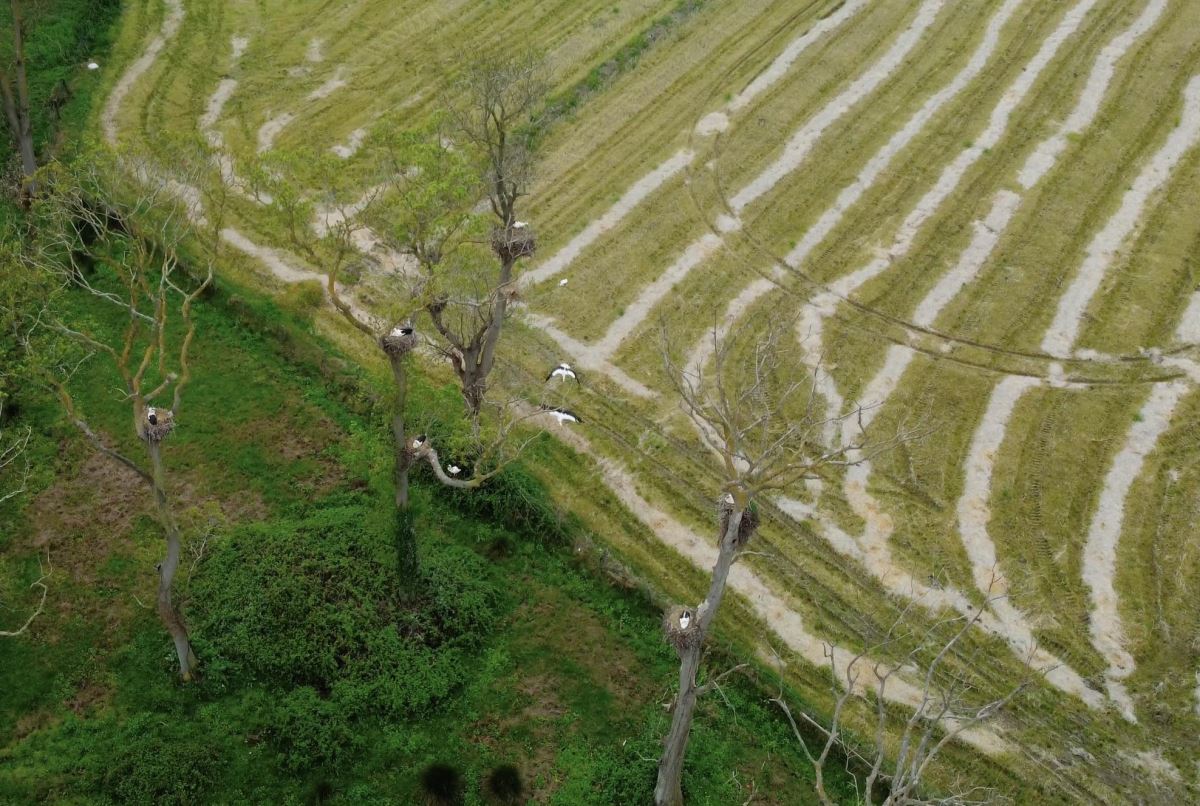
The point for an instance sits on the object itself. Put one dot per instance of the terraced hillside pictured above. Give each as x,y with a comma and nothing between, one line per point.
981,215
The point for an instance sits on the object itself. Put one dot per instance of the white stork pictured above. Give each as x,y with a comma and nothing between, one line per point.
685,618
401,330
562,415
152,415
562,282
418,441
93,66
453,470
562,372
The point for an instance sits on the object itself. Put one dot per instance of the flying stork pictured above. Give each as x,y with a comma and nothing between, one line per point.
562,372
562,415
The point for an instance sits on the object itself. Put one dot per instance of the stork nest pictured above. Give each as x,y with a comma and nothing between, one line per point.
678,636
746,528
510,243
157,432
398,345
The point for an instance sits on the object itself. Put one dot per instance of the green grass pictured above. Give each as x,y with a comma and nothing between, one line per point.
568,686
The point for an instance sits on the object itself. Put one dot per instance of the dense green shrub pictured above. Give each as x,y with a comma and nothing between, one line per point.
317,602
150,758
309,730
517,500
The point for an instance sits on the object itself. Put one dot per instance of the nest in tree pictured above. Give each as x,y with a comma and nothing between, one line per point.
163,425
514,242
681,627
746,528
400,340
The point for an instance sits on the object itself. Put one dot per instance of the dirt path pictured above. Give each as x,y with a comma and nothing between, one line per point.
1100,550
354,142
972,507
1104,248
710,124
795,152
172,20
638,192
850,195
766,604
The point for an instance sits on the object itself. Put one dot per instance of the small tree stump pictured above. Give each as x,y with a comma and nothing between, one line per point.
677,635
157,431
746,528
514,242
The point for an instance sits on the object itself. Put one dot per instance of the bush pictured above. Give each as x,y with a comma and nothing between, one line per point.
151,759
518,501
308,730
316,604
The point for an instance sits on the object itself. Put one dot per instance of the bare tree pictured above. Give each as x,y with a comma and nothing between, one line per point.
763,418
941,714
14,91
424,200
120,241
494,117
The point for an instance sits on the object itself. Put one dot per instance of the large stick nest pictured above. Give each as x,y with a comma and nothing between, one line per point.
514,242
397,344
157,431
746,528
677,635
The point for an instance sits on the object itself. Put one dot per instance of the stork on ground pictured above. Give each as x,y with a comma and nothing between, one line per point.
562,415
562,282
453,470
562,372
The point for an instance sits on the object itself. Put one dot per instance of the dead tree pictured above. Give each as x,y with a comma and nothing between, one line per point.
14,91
493,117
941,714
764,420
119,241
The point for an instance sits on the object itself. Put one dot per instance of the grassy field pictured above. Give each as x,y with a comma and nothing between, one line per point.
1086,97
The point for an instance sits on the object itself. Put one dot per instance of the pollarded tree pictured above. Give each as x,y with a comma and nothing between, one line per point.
425,197
761,415
494,116
119,241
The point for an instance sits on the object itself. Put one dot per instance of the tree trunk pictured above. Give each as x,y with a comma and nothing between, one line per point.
668,791
23,129
167,611
499,310
399,438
